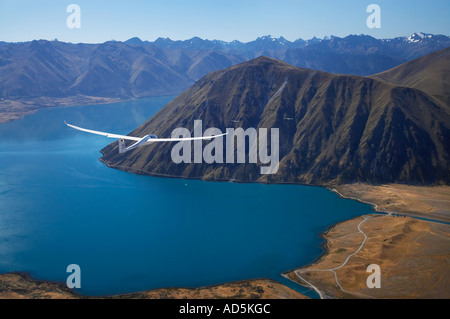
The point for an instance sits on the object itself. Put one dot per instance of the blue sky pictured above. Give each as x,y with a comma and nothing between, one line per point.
244,20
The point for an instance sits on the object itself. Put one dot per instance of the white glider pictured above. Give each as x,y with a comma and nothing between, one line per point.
141,141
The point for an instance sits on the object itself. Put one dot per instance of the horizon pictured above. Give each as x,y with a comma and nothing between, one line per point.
326,37
102,21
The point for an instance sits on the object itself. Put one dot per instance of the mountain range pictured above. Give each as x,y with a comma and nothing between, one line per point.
135,68
333,128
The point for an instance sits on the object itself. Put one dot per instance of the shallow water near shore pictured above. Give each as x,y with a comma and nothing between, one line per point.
60,205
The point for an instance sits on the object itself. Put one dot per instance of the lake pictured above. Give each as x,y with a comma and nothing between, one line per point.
60,205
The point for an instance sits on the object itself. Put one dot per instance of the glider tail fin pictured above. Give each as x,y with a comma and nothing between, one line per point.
122,146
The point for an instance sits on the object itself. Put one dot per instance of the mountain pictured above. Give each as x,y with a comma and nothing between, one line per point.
115,69
353,54
39,68
136,68
332,128
110,69
361,54
416,45
430,73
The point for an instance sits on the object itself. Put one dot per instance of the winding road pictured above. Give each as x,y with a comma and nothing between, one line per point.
333,270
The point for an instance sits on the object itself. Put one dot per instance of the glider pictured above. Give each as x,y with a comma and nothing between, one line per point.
141,141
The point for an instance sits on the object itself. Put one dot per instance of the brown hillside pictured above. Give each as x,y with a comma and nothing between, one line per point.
333,128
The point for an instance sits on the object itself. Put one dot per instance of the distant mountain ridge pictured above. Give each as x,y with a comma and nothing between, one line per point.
333,128
137,68
271,42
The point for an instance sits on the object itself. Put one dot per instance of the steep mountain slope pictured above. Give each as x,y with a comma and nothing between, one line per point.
137,68
40,68
430,73
333,128
116,69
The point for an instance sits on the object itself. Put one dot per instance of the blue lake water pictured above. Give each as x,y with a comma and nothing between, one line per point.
60,205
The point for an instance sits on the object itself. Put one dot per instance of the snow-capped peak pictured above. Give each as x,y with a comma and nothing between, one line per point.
418,36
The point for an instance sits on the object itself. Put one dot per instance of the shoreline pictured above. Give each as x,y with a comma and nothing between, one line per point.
403,215
412,255
326,252
333,187
410,212
29,106
390,213
330,186
321,258
12,286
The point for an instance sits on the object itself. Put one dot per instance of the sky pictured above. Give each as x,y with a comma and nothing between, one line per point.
243,20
